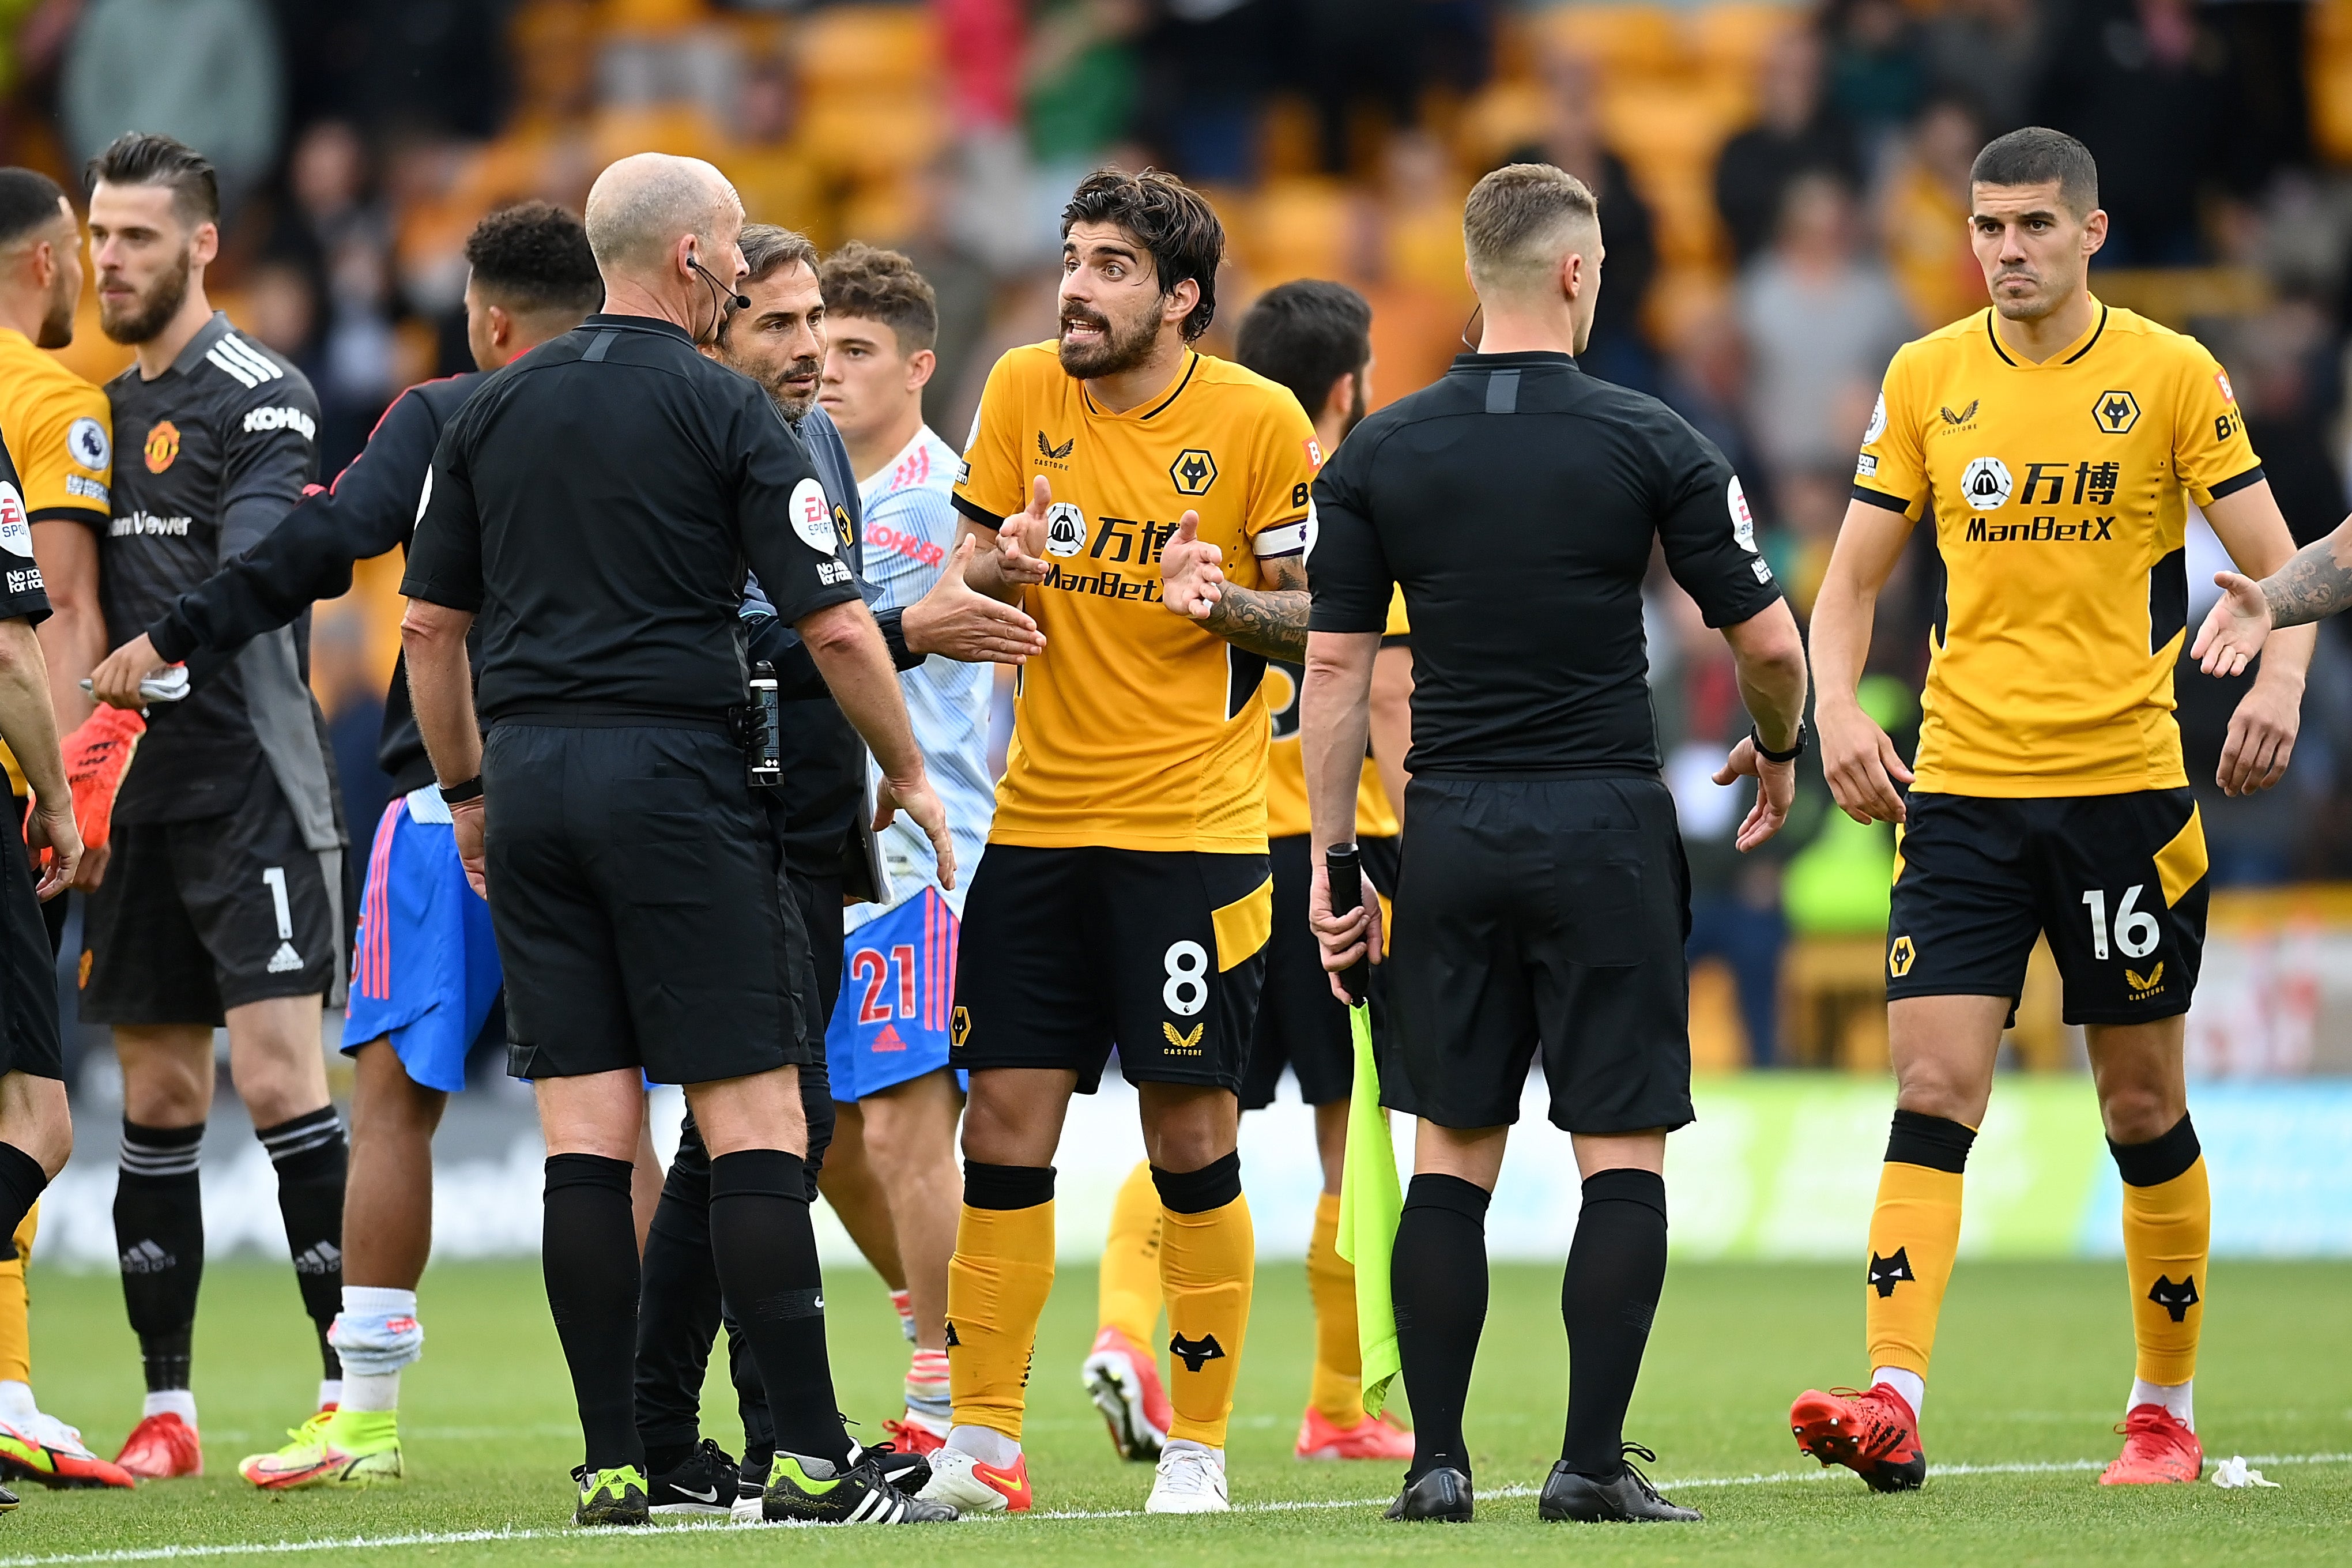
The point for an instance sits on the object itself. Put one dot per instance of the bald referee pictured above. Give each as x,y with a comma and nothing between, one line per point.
1543,900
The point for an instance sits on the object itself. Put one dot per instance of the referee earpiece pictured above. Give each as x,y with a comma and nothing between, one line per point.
720,291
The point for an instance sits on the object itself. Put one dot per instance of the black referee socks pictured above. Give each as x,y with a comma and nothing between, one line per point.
1437,1278
312,1159
1616,1267
588,1250
159,1236
765,1248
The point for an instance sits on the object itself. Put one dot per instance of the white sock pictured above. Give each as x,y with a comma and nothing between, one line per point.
369,1300
986,1444
179,1401
17,1406
1174,1444
1908,1384
371,1391
2177,1397
330,1392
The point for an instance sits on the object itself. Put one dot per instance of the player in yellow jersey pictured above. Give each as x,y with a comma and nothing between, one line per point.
1150,507
1314,337
57,426
2055,445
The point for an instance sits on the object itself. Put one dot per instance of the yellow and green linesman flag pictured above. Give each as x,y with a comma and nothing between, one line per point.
1371,1202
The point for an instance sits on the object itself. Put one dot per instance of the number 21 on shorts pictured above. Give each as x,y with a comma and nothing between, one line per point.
2136,930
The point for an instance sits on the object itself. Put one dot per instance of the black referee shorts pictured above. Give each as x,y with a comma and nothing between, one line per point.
28,976
1300,1025
1541,914
635,890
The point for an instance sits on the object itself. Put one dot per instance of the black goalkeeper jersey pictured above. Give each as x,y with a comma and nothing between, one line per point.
214,453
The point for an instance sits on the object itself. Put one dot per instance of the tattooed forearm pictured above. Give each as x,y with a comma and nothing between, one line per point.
1271,620
1273,624
2313,587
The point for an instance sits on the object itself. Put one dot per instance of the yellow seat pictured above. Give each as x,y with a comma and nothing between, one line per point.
1297,228
681,129
874,133
1730,39
868,46
1622,40
652,18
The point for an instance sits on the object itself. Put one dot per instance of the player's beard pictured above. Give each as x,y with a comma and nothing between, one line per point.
790,401
1118,351
57,320
1355,407
156,308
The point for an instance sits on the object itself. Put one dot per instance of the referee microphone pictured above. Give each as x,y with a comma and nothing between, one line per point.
1346,871
720,291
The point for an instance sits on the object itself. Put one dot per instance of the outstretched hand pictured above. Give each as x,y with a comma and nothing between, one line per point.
916,797
1191,572
957,621
1776,791
2235,628
1020,542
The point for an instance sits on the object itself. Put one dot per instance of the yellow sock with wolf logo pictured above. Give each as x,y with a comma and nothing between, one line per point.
1915,1233
2168,1224
1208,1263
998,1280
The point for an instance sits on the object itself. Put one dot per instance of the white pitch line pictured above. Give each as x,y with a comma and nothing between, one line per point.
664,1529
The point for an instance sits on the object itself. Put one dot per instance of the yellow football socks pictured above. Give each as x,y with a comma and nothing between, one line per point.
16,1327
997,1284
1914,1232
1338,1387
1128,1297
2167,1223
1208,1259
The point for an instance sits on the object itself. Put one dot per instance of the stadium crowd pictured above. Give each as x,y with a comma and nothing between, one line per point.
392,203
1782,188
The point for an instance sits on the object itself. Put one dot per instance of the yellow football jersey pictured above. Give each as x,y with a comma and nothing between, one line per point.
59,429
1287,815
1135,729
2058,495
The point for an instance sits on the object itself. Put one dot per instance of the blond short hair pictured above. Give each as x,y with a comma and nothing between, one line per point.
1520,220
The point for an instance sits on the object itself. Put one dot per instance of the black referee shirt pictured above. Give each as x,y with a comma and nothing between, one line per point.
1517,500
596,503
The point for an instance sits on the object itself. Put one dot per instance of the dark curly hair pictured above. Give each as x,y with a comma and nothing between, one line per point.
861,279
1172,223
151,158
1306,335
534,256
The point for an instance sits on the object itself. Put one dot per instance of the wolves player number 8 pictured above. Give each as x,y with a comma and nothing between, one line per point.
1187,991
2136,930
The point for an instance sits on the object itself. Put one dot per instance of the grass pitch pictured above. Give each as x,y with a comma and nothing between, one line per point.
2033,1361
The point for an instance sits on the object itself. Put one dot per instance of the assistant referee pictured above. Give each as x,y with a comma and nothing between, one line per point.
1543,900
597,502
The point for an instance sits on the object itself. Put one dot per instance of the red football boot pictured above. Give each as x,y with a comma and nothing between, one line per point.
1123,1380
160,1448
911,1436
1875,1435
1373,1437
2158,1448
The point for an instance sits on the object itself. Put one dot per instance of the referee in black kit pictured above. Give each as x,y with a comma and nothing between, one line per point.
597,502
1543,900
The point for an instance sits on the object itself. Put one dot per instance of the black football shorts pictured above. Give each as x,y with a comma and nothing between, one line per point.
195,918
1541,915
636,893
28,976
1300,1025
1067,952
2116,881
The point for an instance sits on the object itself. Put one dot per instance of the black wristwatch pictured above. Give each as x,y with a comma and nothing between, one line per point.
1792,754
459,794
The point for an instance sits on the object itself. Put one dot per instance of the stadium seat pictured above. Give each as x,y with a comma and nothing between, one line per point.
679,127
2327,69
1623,40
1728,39
874,133
652,18
842,47
1297,228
